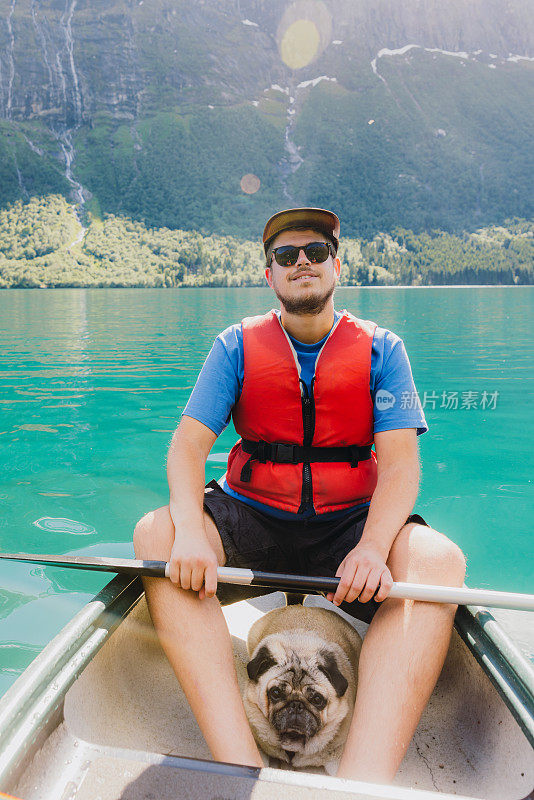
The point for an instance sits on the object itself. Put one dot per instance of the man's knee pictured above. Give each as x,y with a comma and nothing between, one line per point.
154,535
423,554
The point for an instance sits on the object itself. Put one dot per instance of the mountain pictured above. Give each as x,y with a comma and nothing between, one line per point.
209,115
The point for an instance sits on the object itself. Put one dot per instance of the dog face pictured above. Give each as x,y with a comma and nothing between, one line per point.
296,698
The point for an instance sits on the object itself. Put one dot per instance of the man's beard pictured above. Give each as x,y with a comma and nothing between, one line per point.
313,304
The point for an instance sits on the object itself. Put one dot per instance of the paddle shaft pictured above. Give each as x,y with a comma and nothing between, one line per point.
296,583
399,590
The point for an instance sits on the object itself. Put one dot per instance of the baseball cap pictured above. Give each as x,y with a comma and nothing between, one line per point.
317,218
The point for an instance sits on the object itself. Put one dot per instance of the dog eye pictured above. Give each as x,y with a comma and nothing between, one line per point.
318,701
275,694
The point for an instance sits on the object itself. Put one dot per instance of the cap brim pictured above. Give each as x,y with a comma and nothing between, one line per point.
316,218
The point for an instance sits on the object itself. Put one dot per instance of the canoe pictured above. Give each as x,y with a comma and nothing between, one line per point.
99,714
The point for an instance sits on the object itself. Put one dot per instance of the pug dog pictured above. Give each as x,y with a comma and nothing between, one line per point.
302,679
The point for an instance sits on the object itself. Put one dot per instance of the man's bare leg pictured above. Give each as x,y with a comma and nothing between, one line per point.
402,656
195,638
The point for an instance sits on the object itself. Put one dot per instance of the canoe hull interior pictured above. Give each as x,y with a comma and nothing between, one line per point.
123,729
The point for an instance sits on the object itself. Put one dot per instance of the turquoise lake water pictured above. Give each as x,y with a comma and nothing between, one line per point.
92,383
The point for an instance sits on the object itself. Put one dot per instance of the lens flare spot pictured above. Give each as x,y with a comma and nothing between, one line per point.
305,30
250,183
300,44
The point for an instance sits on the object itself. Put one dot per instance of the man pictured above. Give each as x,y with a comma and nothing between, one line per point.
304,493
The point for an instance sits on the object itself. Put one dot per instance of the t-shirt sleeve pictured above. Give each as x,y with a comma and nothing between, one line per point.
219,382
396,403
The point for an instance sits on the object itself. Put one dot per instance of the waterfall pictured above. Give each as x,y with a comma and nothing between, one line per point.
19,176
58,55
62,81
65,137
54,38
11,60
65,22
292,160
44,49
65,140
1,86
32,146
60,75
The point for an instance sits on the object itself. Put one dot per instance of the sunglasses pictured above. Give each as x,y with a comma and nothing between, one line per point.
316,252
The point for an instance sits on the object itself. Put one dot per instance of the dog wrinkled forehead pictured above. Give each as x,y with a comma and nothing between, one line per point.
297,664
294,671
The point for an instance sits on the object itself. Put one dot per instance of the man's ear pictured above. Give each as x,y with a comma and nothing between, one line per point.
337,266
269,276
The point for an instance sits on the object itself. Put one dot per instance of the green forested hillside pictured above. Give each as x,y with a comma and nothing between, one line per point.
183,170
411,153
42,244
29,170
176,129
156,110
441,144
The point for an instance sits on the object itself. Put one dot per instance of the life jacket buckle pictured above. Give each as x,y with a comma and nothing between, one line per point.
284,453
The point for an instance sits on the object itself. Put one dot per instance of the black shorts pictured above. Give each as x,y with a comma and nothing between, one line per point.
257,541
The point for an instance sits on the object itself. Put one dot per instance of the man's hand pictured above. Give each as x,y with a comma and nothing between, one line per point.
361,572
364,568
193,564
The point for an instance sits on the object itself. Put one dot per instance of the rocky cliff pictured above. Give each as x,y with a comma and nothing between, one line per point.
64,61
412,113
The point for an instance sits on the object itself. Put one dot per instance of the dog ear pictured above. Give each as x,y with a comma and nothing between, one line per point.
330,668
262,661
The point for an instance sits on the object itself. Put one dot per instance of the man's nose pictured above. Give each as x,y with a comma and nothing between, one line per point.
303,258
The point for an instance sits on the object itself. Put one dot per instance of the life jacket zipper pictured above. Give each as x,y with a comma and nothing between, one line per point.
308,421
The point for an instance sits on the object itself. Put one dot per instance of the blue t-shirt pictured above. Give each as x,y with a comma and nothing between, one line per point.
219,384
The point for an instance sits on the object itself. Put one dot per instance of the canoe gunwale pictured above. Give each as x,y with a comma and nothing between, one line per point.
32,707
508,670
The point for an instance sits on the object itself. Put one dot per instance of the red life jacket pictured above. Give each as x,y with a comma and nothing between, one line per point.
339,414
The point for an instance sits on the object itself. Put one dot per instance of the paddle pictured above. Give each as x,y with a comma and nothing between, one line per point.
296,583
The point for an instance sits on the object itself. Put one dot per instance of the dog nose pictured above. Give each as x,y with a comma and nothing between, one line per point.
296,706
295,719
296,713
